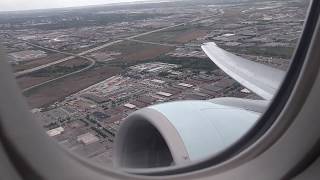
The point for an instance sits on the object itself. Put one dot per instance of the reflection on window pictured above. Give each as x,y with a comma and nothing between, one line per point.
84,70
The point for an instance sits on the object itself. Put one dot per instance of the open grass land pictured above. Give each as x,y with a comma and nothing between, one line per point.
58,90
135,52
38,62
275,52
52,72
178,35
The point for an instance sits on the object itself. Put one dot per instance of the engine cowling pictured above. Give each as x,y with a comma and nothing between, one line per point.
178,133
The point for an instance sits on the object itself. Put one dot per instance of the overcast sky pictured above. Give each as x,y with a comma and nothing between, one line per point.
13,5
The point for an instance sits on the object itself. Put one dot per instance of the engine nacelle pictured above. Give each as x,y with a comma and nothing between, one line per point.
177,133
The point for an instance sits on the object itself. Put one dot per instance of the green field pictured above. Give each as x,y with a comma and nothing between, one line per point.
276,52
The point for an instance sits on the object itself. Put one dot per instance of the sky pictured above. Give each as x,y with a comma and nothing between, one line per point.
15,5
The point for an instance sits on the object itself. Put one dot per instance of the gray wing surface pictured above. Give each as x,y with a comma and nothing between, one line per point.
260,79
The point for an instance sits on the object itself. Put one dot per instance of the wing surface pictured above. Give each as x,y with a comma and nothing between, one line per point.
260,79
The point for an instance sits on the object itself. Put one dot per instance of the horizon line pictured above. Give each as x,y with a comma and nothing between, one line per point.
88,6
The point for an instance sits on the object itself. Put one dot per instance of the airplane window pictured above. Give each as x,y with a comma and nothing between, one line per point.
154,83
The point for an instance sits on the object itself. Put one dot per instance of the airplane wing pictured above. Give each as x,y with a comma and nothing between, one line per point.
260,79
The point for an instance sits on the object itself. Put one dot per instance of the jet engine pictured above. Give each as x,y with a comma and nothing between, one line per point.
178,133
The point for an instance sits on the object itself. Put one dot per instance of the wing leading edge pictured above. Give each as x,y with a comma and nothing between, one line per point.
261,79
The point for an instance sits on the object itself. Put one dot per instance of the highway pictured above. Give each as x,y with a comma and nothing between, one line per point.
93,62
168,27
153,43
81,55
72,56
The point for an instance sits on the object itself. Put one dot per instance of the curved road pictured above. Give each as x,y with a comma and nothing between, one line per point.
24,72
71,56
81,55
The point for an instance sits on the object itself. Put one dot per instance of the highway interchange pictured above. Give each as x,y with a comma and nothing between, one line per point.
82,54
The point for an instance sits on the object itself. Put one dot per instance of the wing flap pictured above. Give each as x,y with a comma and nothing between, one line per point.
260,79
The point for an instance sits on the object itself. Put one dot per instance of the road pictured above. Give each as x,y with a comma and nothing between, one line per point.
81,55
72,56
153,43
93,62
168,27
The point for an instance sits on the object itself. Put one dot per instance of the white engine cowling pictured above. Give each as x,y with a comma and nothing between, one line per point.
177,133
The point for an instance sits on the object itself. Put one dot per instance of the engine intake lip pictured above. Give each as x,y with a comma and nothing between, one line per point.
153,119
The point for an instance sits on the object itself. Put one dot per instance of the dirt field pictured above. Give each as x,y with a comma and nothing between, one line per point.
37,78
145,54
190,35
180,35
38,62
133,52
58,90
